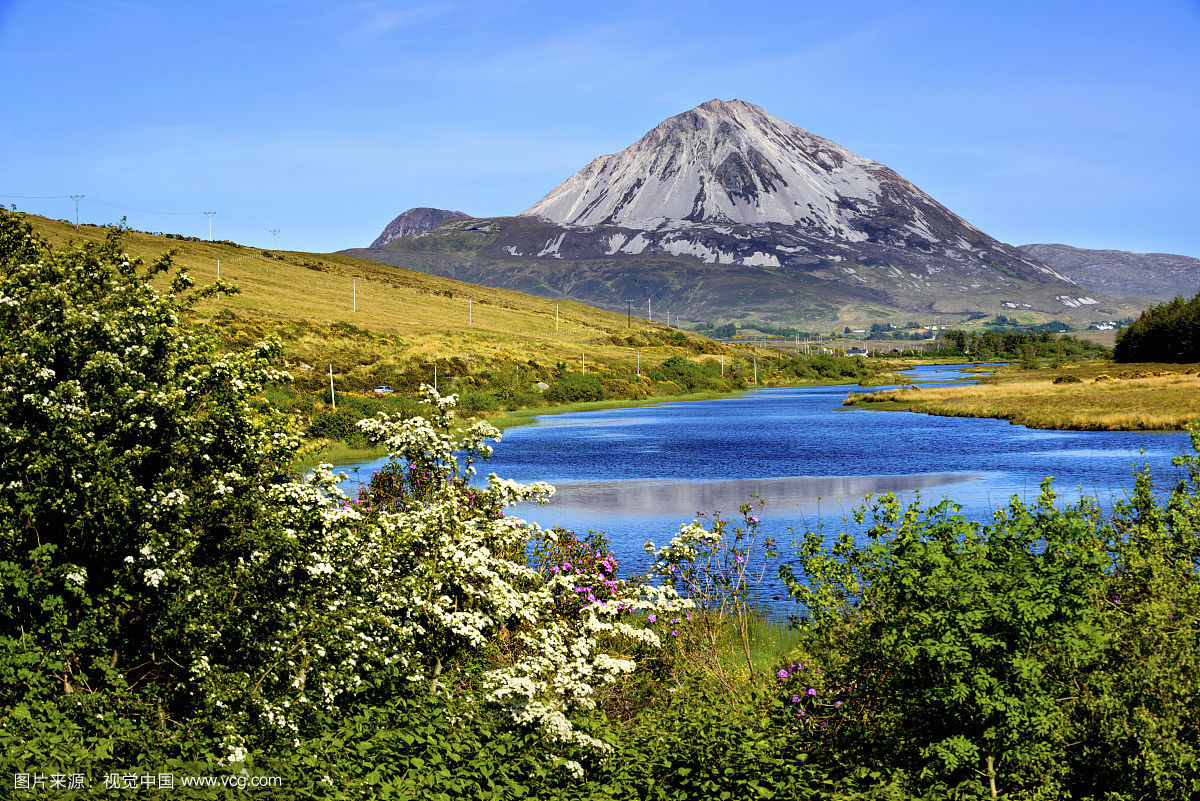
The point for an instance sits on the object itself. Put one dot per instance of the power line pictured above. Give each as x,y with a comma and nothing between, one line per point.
136,210
144,211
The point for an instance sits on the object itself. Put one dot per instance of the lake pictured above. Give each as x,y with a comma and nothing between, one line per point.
638,473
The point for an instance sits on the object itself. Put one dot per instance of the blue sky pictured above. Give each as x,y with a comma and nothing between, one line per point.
1073,122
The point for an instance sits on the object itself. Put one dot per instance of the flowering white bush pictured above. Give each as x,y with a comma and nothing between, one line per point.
156,552
469,580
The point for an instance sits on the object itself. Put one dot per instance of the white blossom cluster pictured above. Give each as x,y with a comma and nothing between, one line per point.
409,589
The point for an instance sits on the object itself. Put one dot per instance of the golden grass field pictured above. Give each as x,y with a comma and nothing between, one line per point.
418,315
1107,397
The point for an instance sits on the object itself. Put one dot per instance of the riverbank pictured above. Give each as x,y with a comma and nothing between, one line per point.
338,452
520,417
1093,396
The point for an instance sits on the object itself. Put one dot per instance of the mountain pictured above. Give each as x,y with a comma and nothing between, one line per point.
1118,273
726,212
415,221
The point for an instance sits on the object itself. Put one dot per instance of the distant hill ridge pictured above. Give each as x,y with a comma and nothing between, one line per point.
1119,273
415,221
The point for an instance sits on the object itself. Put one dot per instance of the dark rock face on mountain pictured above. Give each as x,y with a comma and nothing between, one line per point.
727,212
415,221
1118,273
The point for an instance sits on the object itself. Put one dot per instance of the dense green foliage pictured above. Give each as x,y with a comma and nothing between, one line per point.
1052,653
991,345
1165,332
174,601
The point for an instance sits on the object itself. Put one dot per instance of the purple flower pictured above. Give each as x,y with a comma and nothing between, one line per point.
740,560
795,699
837,704
674,633
811,691
783,674
753,518
652,617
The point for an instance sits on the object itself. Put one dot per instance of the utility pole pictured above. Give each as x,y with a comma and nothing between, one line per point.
219,281
76,198
332,397
583,357
756,371
649,311
210,216
639,355
274,237
628,312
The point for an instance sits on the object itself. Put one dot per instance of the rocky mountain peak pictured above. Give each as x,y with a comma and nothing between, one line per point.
415,221
721,162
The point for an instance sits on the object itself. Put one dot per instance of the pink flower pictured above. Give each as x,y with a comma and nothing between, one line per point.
652,617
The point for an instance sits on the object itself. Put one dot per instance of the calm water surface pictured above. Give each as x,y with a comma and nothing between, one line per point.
638,473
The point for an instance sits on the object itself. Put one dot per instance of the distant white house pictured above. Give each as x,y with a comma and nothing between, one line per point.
857,352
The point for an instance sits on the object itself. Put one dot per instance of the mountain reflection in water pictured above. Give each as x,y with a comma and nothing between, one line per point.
687,498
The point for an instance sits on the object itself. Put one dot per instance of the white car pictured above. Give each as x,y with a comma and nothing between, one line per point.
382,390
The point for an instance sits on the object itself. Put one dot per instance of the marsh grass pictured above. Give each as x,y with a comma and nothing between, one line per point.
770,641
324,451
1106,397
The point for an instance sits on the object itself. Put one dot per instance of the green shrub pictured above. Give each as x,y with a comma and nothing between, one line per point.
574,388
